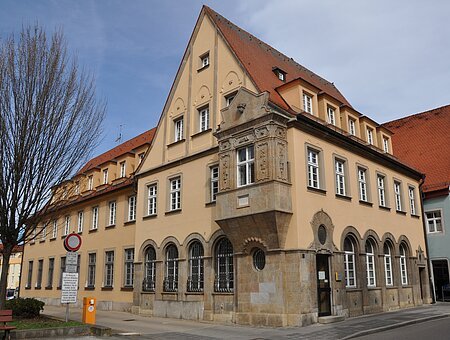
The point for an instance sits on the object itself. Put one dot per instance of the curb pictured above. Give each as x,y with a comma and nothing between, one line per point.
396,325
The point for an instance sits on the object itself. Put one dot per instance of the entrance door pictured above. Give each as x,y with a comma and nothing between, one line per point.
441,279
323,285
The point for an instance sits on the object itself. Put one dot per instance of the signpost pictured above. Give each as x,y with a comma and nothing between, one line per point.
69,289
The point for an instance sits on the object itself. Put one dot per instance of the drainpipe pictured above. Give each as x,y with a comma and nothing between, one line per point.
427,252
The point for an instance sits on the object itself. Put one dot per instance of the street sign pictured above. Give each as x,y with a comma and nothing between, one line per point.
71,262
72,242
69,288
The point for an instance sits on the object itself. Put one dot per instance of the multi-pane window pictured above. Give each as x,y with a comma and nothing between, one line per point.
362,183
132,208
123,169
149,270
30,273
229,98
178,132
152,191
224,280
370,264
94,218
403,269
434,221
92,261
381,191
370,136
67,225
62,269
313,169
105,176
203,117
351,127
387,264
385,144
51,269
129,267
175,193
171,275
112,213
204,60
245,165
77,187
349,262
307,103
214,182
55,229
80,221
44,231
195,280
331,116
412,200
109,268
398,196
339,167
90,182
39,273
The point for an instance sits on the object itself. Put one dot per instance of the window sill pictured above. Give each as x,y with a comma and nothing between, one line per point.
209,204
147,292
27,288
52,239
344,197
63,237
415,216
369,204
201,133
383,207
31,243
48,288
58,288
129,222
37,288
41,241
374,288
194,293
89,288
80,232
176,211
126,289
111,226
107,288
148,217
401,212
176,142
93,230
317,190
203,68
222,293
353,289
169,293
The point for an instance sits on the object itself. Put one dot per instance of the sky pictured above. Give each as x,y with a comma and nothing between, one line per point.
389,58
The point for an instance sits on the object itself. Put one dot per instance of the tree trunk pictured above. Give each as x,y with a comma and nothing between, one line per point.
7,250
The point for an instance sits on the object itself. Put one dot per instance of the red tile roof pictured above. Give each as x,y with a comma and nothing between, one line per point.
259,59
128,146
423,140
16,249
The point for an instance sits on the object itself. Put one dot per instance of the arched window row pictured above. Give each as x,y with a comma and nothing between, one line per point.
223,266
350,246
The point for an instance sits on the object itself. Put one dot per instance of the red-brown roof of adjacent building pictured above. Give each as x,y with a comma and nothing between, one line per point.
128,146
16,249
423,140
259,59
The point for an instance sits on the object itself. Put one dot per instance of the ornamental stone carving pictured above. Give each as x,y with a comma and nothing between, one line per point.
224,165
263,166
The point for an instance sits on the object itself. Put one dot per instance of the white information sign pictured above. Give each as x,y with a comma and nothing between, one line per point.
69,288
72,258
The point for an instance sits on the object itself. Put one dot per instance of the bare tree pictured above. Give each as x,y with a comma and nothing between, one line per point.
50,121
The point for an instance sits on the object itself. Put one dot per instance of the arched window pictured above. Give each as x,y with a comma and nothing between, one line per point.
224,281
195,280
403,269
149,270
349,262
171,279
388,263
370,264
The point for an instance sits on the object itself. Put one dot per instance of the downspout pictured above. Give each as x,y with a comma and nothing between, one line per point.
427,253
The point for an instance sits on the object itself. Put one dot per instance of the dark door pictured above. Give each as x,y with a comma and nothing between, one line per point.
441,281
323,285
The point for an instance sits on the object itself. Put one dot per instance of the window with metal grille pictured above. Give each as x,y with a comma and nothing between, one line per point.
259,259
224,280
91,270
129,267
150,270
349,262
388,263
109,269
171,278
196,270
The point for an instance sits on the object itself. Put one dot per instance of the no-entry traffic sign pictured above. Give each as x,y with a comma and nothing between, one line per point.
72,242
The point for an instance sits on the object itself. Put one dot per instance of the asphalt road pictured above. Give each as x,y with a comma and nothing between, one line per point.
437,329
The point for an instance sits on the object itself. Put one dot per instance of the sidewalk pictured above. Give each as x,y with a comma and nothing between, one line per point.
140,327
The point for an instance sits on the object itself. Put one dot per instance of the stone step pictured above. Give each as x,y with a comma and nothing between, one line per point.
330,319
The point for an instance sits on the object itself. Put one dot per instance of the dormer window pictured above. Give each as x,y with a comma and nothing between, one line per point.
105,176
122,169
280,73
204,61
90,182
331,116
386,144
370,136
307,103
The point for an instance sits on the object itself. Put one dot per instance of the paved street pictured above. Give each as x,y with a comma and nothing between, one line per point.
162,328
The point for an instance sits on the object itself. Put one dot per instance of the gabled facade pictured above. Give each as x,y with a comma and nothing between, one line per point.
98,203
267,199
423,140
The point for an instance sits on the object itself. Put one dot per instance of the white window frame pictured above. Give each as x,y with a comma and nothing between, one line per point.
398,195
369,135
129,267
204,60
281,76
105,176
44,231
94,218
386,144
55,229
381,186
112,213
307,103
352,126
214,182
339,170
132,208
80,222
246,166
370,266
90,182
412,200
313,168
435,219
349,264
403,265
123,169
178,129
66,225
152,199
203,118
388,265
331,116
175,193
362,184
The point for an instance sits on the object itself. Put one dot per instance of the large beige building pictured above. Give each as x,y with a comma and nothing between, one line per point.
15,262
265,198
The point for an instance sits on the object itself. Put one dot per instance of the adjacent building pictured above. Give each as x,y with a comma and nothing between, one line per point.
265,198
15,262
423,140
